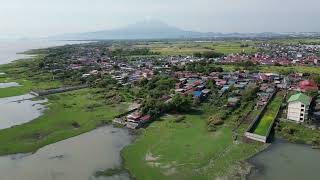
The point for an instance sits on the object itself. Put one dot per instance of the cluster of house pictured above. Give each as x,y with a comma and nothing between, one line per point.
279,54
126,71
192,84
233,82
133,119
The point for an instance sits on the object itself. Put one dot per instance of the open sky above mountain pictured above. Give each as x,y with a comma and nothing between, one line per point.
47,17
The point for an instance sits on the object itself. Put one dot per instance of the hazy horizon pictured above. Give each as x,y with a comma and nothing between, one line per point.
41,18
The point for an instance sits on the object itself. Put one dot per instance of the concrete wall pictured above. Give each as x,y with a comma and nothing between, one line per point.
59,90
296,112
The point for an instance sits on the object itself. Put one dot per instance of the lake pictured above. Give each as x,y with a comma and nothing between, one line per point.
18,110
9,84
283,160
76,158
9,49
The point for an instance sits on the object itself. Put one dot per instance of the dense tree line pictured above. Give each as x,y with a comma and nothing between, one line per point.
152,92
208,54
133,52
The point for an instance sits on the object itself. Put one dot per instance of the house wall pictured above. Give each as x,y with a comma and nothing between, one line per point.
297,111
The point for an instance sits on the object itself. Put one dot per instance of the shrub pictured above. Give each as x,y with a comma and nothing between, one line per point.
180,119
214,120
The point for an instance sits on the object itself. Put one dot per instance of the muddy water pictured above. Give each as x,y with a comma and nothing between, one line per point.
9,84
76,158
283,160
18,110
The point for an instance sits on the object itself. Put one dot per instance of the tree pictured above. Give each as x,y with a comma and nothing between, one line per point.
316,79
213,122
211,84
197,55
181,103
250,92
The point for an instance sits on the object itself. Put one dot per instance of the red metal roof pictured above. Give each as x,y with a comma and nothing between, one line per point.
307,85
145,118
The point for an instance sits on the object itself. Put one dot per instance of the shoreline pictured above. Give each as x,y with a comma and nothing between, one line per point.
255,168
65,152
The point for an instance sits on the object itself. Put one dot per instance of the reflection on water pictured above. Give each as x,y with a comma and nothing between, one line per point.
18,110
283,160
9,84
77,158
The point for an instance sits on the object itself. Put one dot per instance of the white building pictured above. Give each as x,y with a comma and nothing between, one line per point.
298,107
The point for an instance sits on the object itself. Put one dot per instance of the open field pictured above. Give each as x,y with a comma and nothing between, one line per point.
26,86
69,114
276,69
269,115
188,48
203,155
21,72
297,41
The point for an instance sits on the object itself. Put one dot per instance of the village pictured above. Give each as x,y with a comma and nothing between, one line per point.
297,89
187,103
276,54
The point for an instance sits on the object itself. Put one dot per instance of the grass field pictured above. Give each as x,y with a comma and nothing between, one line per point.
26,86
270,113
22,72
277,69
69,114
186,150
188,48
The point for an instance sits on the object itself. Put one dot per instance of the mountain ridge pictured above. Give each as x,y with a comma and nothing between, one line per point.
154,29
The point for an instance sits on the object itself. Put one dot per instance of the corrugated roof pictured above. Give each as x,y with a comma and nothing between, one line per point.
301,98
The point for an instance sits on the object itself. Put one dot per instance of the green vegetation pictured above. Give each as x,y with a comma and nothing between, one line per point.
110,172
203,154
189,48
25,73
269,115
296,41
26,87
298,133
69,114
313,70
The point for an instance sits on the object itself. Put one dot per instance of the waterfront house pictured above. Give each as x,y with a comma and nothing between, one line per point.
298,107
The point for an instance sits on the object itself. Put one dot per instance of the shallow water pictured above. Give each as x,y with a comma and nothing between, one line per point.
9,49
76,158
9,84
18,110
283,160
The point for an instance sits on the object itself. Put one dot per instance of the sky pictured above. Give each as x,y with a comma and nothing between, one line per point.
40,18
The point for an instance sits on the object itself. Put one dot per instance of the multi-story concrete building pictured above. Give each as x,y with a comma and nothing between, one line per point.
298,107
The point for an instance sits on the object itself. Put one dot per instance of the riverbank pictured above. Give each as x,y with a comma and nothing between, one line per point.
18,110
26,74
68,115
298,133
76,158
285,160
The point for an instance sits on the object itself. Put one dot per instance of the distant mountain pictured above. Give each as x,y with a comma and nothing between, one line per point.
152,29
